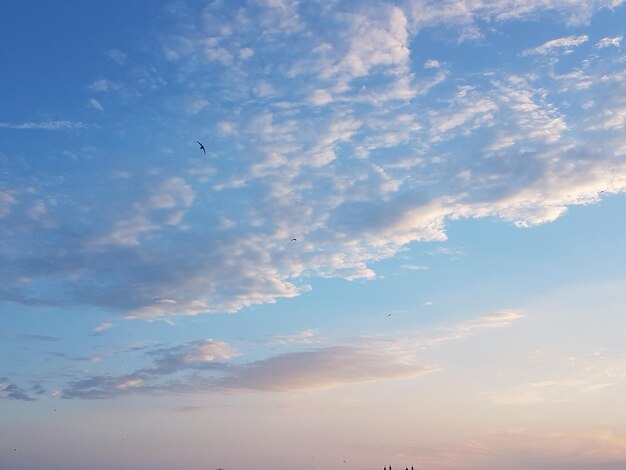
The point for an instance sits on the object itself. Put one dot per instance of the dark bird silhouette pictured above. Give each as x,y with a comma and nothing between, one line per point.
390,314
294,240
201,147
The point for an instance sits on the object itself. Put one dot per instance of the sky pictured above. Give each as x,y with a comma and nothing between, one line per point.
404,245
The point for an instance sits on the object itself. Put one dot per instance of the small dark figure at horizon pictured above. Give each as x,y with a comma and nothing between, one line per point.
201,147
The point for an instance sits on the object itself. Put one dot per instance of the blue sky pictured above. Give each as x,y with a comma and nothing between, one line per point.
452,173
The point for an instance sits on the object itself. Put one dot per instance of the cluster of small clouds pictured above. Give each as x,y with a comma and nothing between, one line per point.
467,15
165,206
342,142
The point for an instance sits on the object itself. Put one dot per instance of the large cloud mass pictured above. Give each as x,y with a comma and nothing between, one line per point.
324,128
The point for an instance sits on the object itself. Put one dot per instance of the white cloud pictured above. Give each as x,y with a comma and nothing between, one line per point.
128,384
218,54
280,17
101,84
320,97
471,111
197,105
226,128
373,42
557,45
432,64
608,42
415,267
7,201
246,53
102,327
379,163
209,351
263,89
612,118
302,337
116,56
466,16
46,125
301,370
38,210
95,104
165,206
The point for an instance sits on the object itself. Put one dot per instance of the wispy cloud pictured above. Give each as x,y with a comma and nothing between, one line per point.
101,84
469,328
560,45
608,42
46,125
101,328
95,104
7,201
193,356
415,267
165,205
549,391
116,56
303,337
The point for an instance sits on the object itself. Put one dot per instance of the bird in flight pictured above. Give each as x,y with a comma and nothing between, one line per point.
201,147
294,240
390,314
